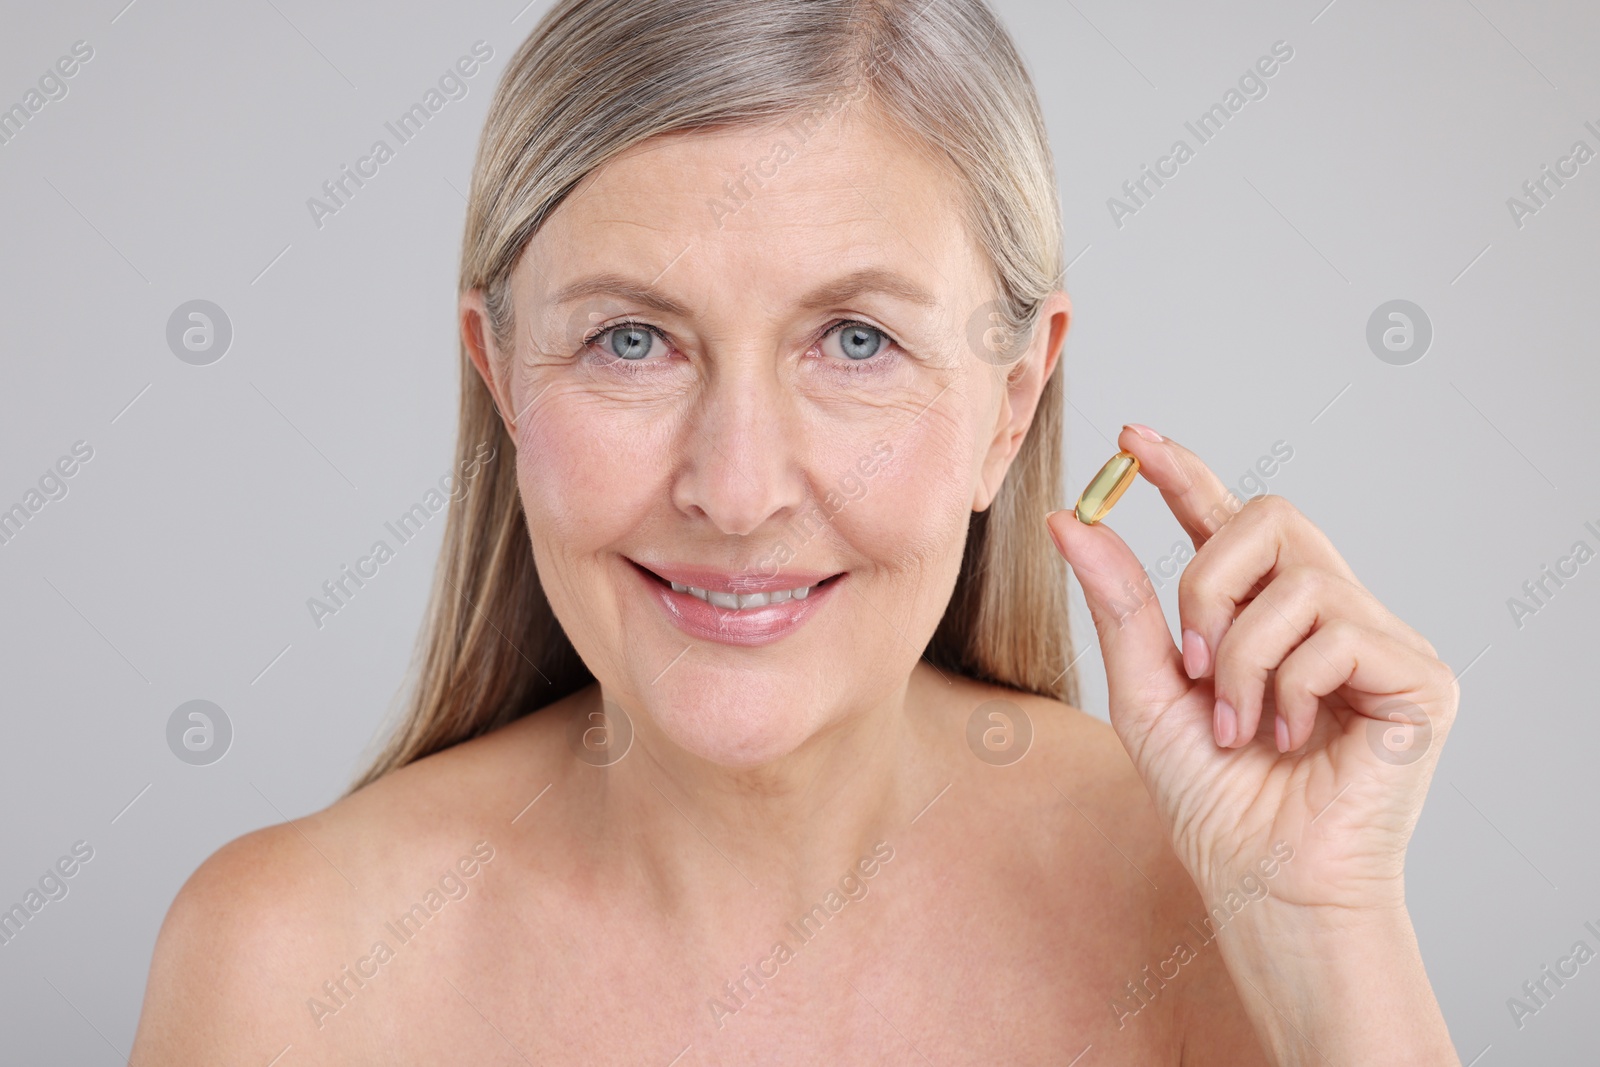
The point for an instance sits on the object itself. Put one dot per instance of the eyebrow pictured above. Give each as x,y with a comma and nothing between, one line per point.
855,284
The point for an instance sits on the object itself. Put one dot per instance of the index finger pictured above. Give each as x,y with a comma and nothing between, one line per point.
1197,497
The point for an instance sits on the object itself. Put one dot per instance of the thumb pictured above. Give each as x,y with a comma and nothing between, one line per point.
1141,660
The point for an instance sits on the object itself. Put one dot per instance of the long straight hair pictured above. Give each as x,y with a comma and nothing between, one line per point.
596,77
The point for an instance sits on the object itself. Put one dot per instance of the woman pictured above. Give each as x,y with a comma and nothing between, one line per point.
743,731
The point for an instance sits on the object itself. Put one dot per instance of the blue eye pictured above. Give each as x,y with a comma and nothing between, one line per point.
630,343
858,341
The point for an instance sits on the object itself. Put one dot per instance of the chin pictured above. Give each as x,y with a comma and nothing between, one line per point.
729,723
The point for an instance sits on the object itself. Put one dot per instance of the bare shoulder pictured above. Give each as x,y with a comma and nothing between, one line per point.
1182,977
1069,756
1157,966
239,965
235,934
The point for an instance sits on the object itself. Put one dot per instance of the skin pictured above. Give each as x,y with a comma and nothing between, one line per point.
981,913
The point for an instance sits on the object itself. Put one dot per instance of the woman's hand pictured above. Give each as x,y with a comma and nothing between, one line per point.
1300,712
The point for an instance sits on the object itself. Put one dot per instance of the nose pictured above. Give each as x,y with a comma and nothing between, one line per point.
742,448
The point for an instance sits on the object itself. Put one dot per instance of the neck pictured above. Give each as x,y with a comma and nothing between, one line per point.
783,827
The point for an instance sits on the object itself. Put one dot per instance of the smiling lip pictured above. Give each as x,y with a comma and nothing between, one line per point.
746,626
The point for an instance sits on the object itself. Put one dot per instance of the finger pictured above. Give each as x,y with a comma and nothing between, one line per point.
1268,537
1199,499
1267,630
1135,642
1385,673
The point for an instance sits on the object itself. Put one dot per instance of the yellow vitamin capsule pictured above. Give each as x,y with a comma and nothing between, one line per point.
1107,487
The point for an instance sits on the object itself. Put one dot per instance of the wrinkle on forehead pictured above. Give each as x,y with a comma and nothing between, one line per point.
854,173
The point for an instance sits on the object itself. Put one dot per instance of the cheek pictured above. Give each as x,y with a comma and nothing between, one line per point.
913,508
588,471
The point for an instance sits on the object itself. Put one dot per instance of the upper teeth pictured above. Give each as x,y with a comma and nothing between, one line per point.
737,601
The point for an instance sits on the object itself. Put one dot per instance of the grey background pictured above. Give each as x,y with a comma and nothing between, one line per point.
1230,313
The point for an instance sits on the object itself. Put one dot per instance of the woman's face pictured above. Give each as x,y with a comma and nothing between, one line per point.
780,389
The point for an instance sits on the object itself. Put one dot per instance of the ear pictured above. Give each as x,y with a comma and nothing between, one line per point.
1023,383
492,365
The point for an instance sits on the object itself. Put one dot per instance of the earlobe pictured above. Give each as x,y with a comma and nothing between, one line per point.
478,342
983,497
1001,452
1022,393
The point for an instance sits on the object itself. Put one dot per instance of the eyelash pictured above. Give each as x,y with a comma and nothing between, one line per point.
861,366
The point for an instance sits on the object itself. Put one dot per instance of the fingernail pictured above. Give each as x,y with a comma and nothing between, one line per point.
1145,432
1282,729
1226,725
1194,654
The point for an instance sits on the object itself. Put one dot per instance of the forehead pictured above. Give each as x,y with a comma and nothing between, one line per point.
782,201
